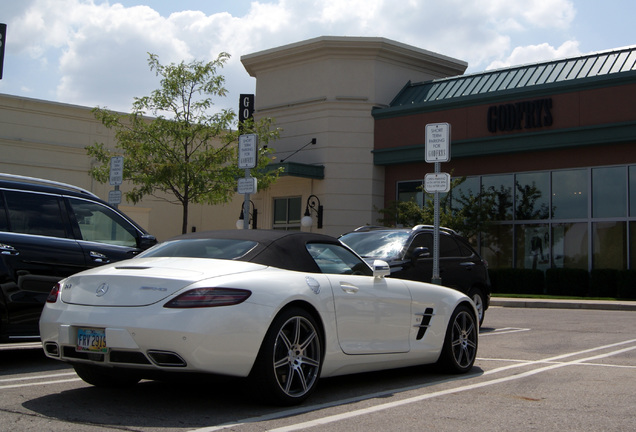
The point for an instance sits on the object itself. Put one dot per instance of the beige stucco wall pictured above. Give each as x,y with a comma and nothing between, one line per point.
323,88
47,140
326,88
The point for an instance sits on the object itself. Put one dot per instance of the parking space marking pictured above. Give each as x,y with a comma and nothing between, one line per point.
549,364
36,377
505,330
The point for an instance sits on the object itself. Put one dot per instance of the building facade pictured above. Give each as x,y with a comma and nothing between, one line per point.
555,142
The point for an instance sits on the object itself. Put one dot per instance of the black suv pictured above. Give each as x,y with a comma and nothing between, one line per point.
48,231
409,252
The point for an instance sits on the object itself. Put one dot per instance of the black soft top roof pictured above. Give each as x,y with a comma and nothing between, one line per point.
276,248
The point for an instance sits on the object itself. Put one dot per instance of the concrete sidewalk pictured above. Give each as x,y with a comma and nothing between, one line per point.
563,304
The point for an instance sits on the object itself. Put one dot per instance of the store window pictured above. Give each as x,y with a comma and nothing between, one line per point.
609,192
569,194
632,190
461,194
532,196
497,245
287,213
569,245
532,246
609,245
501,187
411,190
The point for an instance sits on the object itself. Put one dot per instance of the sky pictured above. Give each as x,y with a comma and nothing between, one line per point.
95,52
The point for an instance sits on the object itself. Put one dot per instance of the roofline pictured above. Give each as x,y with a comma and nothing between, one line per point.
351,47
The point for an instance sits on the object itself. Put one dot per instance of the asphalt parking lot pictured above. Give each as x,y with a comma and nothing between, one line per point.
538,368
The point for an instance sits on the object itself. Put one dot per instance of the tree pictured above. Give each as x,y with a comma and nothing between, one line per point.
185,153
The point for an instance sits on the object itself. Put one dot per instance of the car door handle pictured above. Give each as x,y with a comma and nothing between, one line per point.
348,288
6,249
99,257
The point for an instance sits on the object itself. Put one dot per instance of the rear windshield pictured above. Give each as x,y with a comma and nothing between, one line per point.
201,248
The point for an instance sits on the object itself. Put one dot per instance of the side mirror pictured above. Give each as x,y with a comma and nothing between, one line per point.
381,269
146,241
420,252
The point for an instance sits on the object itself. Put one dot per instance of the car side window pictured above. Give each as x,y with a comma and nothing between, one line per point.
98,223
35,213
4,225
335,259
422,240
448,246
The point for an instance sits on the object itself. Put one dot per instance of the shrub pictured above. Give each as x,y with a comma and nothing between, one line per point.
567,282
604,283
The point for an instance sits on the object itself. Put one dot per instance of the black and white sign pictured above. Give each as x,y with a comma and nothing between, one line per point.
248,151
116,170
247,185
437,142
437,182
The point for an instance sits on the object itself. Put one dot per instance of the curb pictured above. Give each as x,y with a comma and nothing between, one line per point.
563,304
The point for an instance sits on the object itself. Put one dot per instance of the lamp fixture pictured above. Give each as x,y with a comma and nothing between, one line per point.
307,221
313,141
253,216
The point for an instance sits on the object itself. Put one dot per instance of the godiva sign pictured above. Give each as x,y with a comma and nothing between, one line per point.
520,115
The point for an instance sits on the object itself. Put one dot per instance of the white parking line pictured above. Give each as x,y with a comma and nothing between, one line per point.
552,364
504,330
37,383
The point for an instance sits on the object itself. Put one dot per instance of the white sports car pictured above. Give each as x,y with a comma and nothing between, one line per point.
282,308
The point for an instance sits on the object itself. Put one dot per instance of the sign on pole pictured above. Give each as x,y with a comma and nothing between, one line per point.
116,170
437,182
437,142
437,149
248,151
247,185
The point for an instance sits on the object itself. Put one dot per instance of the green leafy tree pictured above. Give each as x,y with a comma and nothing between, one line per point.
185,153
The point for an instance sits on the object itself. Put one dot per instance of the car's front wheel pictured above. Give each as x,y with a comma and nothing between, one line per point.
460,345
289,362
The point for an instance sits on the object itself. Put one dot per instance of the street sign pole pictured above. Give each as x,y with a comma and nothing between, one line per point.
436,279
437,151
247,159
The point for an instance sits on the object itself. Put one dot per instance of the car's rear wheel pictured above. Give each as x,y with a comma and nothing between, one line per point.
289,362
460,344
106,377
477,296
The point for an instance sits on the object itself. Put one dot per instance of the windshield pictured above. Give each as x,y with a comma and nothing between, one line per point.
377,244
201,248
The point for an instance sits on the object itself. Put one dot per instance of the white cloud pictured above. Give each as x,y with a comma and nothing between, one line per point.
537,53
97,51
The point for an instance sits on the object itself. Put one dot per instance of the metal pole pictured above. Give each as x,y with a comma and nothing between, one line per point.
246,205
436,279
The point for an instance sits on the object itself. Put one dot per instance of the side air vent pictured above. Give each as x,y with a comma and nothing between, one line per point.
166,359
425,323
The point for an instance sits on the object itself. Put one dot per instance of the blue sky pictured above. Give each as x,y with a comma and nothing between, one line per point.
94,52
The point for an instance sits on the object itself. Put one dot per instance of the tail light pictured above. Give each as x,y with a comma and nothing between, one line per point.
209,297
52,298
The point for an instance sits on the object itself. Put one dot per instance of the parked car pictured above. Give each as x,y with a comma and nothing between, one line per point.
409,252
283,308
48,231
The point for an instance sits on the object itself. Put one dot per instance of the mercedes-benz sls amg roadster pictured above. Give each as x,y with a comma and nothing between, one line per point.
280,308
